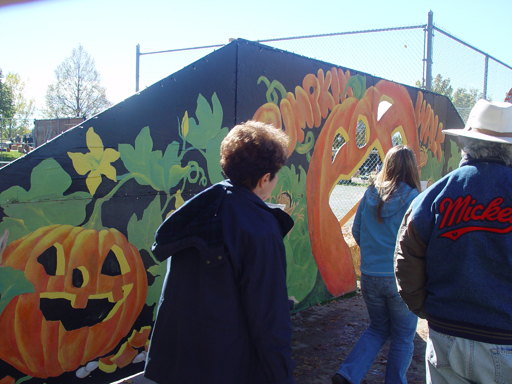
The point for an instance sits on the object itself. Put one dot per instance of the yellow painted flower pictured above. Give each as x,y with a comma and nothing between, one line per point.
184,125
97,161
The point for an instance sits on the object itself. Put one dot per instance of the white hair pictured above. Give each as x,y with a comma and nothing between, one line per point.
479,149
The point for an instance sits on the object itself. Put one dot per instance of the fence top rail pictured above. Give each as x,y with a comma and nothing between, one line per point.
344,33
182,49
293,38
470,46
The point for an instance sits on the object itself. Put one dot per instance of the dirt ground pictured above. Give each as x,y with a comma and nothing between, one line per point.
323,335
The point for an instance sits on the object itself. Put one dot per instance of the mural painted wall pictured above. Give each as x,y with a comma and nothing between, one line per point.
79,286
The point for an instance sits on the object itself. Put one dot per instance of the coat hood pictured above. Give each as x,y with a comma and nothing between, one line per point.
197,222
401,197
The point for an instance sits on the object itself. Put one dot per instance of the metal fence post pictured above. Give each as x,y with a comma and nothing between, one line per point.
430,34
137,61
486,73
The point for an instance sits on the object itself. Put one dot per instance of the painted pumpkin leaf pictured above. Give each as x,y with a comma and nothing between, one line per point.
149,167
209,122
141,233
453,162
154,291
433,169
301,266
212,156
171,165
142,161
45,202
12,283
16,227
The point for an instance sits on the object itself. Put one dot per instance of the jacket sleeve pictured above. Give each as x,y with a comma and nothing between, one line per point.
265,299
410,266
356,226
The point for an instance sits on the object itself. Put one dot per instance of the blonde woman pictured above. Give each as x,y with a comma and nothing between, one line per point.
375,228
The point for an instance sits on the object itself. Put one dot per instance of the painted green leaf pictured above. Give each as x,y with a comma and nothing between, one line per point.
12,283
142,161
141,233
208,124
453,162
171,164
154,290
301,266
16,227
212,156
149,167
45,202
433,169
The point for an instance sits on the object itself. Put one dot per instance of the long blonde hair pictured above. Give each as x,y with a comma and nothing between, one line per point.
399,166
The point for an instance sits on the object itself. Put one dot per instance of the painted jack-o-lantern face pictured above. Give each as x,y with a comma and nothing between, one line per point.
89,288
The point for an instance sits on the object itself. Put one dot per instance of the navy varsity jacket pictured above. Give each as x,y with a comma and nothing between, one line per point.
453,259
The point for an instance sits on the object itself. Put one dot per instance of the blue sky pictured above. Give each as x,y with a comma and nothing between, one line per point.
37,36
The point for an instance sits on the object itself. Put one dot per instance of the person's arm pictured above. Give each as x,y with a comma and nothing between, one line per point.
265,298
410,266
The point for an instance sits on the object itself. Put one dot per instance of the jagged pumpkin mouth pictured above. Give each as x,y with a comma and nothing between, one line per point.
59,306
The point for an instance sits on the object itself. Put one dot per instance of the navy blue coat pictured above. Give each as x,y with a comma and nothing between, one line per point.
223,315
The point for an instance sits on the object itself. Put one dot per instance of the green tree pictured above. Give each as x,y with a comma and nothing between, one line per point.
440,85
76,91
23,108
463,99
6,105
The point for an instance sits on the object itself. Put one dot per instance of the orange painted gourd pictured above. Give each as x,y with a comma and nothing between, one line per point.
90,287
330,250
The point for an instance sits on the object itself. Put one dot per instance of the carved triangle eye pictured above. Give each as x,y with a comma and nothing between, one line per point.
111,265
48,259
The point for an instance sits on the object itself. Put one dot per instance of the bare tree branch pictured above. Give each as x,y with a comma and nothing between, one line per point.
76,90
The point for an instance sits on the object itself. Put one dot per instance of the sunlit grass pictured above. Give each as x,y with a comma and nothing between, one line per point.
10,156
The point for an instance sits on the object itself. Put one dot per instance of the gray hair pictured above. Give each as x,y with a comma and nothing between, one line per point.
479,149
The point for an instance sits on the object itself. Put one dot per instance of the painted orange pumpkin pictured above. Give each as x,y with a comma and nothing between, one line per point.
90,287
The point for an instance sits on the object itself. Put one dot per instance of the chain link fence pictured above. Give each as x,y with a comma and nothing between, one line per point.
401,54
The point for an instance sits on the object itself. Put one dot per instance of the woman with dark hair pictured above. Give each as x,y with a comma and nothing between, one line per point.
375,229
224,316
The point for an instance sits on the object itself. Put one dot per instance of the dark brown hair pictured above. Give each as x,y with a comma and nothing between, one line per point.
399,166
251,150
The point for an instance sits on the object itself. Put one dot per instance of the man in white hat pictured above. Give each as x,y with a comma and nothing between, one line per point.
453,257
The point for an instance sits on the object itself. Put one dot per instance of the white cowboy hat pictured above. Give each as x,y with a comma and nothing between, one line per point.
490,121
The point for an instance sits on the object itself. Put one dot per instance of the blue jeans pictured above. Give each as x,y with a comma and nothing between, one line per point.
389,318
455,360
